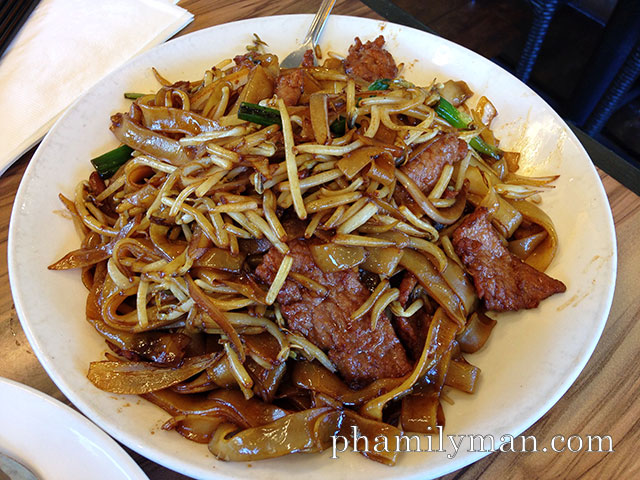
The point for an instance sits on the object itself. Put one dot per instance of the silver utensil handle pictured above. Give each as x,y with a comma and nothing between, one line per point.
319,21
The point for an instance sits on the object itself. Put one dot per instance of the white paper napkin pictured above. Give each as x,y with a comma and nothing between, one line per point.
65,47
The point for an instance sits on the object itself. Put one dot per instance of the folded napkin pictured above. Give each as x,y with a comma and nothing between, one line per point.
65,48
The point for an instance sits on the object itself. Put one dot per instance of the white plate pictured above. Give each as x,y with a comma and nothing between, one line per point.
55,441
531,359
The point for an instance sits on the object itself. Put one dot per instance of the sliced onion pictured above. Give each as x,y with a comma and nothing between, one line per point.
456,92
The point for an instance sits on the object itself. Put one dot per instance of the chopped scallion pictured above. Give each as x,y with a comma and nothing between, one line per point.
259,114
108,163
339,126
380,84
133,95
455,118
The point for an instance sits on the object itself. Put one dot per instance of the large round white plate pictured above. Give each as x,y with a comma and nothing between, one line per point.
54,441
531,359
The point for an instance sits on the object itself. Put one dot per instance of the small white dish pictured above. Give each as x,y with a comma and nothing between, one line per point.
528,363
54,441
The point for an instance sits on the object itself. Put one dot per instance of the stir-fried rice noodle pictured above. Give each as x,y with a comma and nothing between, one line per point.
235,265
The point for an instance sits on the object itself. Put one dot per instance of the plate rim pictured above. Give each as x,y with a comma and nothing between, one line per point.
160,457
117,454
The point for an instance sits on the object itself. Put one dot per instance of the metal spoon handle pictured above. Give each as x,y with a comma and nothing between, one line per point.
319,22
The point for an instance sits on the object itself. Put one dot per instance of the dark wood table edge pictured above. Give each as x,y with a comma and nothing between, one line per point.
609,161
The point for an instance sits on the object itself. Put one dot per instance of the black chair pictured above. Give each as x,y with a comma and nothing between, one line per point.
611,71
543,11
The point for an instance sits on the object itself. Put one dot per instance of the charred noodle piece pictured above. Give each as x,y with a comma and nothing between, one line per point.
503,280
370,61
361,354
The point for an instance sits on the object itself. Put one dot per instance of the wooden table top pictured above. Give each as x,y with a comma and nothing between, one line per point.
603,400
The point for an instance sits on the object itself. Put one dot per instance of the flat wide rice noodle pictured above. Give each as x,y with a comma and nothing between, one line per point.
462,376
382,261
542,256
147,141
376,433
293,433
353,162
439,338
333,258
220,259
231,405
523,247
176,120
434,284
476,333
196,428
142,377
315,377
455,277
422,412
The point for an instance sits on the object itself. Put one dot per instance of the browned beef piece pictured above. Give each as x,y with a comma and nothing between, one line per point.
502,279
361,355
244,61
307,59
370,61
425,168
289,86
426,165
408,283
412,330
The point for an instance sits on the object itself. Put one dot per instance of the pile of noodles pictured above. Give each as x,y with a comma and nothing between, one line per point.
167,253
